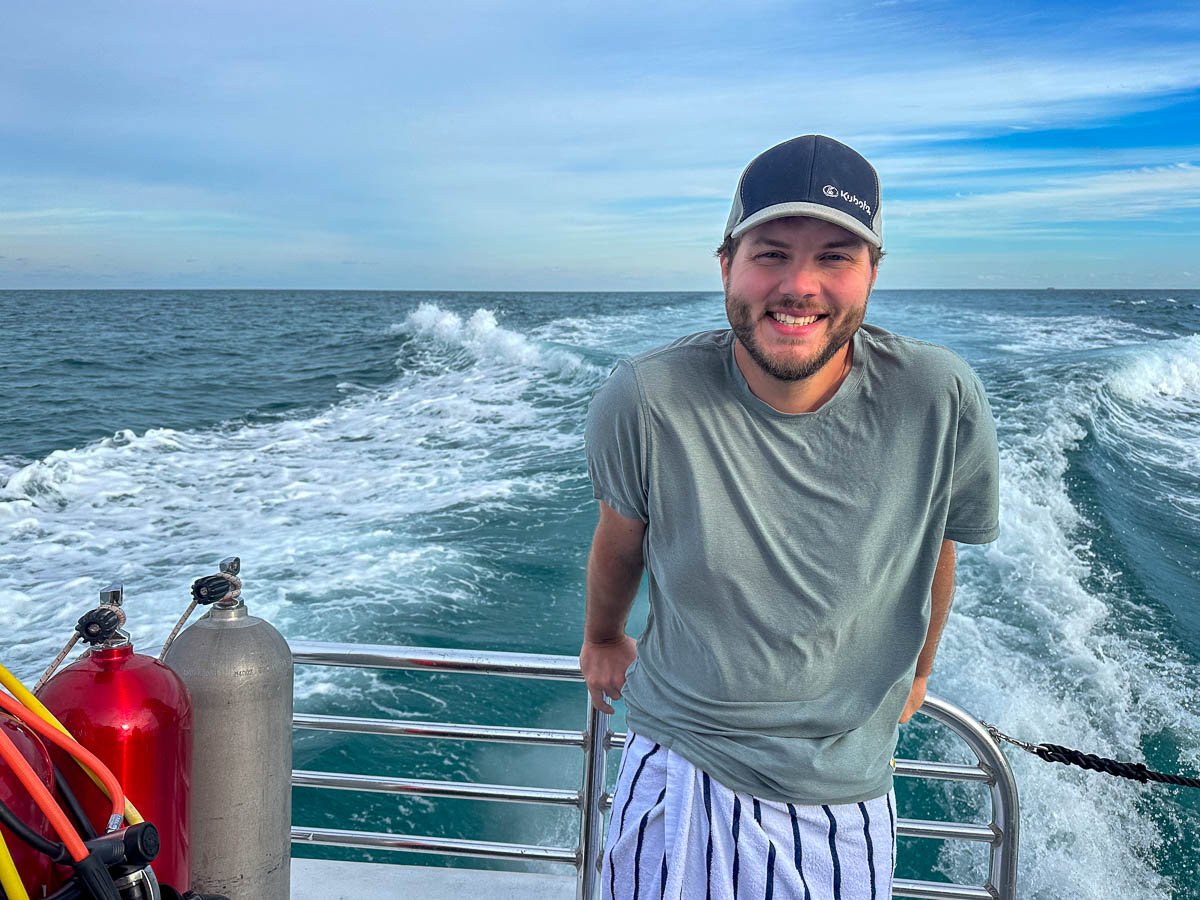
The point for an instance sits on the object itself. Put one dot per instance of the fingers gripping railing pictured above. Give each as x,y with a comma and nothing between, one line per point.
591,798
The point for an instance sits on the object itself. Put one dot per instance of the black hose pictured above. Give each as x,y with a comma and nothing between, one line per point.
73,806
56,851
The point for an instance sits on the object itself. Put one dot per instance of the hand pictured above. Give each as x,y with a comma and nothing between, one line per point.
603,664
916,696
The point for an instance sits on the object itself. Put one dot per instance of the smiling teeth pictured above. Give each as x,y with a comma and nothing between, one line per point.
792,320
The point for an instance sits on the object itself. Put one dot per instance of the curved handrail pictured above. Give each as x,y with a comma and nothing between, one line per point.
1002,832
1005,802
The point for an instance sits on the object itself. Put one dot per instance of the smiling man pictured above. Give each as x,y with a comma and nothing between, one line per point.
793,487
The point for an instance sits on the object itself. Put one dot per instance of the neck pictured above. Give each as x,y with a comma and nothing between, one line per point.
806,395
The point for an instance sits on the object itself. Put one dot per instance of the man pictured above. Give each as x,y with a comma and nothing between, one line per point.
793,487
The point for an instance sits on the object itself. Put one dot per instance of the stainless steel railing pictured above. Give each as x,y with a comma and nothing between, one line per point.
592,799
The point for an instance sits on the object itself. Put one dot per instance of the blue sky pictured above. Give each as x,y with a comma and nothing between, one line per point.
584,146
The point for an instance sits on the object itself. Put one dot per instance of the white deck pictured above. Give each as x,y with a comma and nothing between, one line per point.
323,879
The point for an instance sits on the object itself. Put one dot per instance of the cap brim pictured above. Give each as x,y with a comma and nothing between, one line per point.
812,211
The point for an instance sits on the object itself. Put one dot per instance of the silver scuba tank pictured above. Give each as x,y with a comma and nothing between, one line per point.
239,671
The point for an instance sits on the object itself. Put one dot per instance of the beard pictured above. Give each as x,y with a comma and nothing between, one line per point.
787,367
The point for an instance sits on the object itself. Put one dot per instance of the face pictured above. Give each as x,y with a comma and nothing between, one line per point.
795,292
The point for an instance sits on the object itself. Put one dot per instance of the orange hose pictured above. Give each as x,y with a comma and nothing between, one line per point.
18,690
74,748
44,799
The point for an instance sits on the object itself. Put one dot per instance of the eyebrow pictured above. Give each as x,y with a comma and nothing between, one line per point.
850,243
846,243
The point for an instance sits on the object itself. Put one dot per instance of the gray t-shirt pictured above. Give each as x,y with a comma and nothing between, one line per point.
790,556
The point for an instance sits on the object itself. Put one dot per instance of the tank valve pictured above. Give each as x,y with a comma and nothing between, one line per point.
96,627
223,588
113,595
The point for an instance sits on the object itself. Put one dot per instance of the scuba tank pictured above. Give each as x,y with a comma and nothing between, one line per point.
34,868
135,714
238,669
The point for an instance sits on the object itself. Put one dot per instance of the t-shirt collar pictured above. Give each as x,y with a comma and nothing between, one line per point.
847,389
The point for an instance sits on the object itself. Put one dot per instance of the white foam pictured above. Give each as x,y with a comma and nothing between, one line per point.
1031,648
632,332
1168,374
320,508
482,336
1042,334
1150,408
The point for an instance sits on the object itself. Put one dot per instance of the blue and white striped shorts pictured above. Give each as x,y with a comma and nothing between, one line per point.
677,833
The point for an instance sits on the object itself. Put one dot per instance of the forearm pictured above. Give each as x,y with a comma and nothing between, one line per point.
614,572
612,584
941,595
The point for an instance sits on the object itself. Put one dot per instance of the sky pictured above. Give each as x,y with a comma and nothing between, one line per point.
585,146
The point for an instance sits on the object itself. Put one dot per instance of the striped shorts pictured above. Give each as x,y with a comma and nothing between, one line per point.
677,833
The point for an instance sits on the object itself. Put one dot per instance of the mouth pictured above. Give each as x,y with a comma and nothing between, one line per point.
790,325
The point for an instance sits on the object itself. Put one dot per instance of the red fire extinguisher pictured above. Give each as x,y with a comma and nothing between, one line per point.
135,714
34,867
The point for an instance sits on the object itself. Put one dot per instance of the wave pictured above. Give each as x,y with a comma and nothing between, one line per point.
633,331
1047,642
1148,418
362,501
1042,334
487,342
1165,378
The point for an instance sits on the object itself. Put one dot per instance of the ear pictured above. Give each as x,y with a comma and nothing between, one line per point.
874,273
725,263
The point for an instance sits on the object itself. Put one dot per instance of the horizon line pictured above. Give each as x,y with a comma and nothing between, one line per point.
47,290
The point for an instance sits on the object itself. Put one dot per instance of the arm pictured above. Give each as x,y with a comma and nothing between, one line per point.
614,572
940,596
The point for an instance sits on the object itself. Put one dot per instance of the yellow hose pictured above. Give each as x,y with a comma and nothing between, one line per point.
10,879
30,702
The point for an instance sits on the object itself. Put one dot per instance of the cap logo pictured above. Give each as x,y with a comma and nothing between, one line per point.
830,191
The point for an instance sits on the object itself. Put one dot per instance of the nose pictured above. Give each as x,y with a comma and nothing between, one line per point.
800,279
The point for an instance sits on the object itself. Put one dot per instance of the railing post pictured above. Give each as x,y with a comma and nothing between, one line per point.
1005,819
591,817
1002,875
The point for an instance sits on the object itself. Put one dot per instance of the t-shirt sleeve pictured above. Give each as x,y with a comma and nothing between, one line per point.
974,515
615,438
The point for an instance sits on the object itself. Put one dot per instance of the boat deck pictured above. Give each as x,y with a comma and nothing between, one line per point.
323,879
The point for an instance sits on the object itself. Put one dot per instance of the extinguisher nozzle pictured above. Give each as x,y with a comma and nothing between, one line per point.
136,845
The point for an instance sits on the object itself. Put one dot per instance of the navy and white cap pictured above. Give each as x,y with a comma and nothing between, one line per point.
813,176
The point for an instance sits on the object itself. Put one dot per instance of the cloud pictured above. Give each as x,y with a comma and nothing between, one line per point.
949,168
1132,194
466,136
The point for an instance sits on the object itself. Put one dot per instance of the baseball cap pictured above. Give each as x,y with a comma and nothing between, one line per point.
812,175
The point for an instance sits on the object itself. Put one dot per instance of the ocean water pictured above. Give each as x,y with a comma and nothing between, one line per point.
408,468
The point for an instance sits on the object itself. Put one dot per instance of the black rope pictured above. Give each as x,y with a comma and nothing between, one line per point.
1133,771
1068,757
